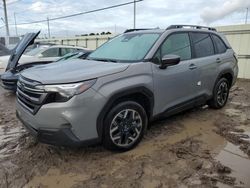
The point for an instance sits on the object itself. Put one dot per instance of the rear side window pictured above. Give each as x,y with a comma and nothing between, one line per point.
65,51
220,47
177,44
203,45
51,52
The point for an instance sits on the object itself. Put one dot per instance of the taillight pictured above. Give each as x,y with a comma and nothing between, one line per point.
236,57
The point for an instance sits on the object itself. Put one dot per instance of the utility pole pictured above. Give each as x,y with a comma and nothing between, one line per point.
246,16
134,14
15,23
48,27
6,23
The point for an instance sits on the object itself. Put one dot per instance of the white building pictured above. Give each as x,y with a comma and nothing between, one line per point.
239,38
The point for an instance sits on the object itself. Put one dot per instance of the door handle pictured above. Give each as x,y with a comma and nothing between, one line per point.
218,60
192,66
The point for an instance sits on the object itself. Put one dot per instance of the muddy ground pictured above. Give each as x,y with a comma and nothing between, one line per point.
198,148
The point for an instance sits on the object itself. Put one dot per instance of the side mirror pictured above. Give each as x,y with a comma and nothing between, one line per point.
169,60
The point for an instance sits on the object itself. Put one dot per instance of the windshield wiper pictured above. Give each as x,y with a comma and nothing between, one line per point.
103,59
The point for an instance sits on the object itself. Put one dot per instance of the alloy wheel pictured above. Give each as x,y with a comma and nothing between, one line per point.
126,127
222,93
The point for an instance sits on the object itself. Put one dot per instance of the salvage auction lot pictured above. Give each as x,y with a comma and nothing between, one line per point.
198,147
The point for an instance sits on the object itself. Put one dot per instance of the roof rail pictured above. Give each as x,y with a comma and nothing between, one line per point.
140,29
190,26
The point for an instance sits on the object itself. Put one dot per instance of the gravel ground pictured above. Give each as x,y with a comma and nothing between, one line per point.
198,148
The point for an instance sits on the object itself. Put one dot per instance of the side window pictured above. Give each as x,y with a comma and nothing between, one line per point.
203,45
65,51
177,44
51,52
219,45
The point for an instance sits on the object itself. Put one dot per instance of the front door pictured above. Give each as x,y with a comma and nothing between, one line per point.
176,84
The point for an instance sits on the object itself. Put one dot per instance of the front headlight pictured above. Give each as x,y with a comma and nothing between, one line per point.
68,90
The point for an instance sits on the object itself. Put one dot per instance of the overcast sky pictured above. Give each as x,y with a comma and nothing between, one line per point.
150,13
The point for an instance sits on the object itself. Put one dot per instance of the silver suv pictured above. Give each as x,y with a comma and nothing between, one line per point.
129,81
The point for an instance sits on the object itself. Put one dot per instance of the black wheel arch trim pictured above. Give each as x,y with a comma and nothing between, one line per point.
123,93
226,71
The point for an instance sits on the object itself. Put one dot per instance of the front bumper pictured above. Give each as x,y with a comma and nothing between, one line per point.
60,137
71,123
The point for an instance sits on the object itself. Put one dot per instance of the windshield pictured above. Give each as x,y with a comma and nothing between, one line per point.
34,51
126,47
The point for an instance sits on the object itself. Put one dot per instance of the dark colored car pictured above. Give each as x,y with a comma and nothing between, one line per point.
4,50
10,77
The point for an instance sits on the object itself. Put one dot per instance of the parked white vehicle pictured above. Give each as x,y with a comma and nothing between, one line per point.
41,54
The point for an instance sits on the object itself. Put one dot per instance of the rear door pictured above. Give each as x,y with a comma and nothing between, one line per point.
176,84
220,50
206,60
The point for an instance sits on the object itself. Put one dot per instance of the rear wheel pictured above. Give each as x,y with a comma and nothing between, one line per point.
124,126
220,94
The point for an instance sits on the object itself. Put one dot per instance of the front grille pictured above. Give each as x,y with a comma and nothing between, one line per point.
8,83
28,96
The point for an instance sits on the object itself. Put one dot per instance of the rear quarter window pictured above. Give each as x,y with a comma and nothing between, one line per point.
220,46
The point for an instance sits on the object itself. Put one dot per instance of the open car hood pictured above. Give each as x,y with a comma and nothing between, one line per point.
26,41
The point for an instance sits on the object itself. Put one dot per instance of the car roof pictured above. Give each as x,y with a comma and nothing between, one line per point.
187,28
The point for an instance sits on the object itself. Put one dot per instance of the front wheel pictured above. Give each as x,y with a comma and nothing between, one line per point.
220,94
124,126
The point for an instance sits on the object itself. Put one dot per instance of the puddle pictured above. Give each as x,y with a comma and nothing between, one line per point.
243,136
9,140
240,104
233,112
54,178
204,132
236,113
232,157
7,135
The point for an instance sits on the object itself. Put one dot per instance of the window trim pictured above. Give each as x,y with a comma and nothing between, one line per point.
173,33
209,34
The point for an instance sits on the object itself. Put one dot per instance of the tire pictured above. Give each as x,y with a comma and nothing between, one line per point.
220,94
124,126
